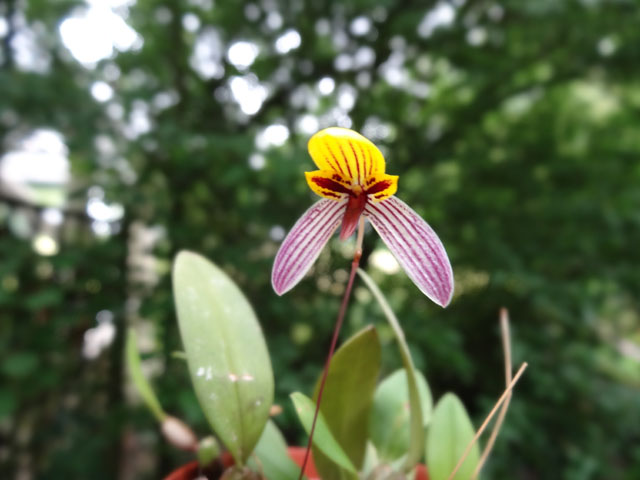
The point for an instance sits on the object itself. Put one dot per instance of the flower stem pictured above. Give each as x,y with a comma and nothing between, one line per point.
336,331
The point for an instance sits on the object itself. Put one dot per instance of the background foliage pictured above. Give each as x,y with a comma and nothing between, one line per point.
514,129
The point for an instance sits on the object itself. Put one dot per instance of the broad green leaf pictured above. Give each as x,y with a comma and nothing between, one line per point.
416,422
322,437
449,434
138,378
347,399
389,425
271,455
226,353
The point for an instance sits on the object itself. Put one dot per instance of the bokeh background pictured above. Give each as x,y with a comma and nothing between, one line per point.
132,129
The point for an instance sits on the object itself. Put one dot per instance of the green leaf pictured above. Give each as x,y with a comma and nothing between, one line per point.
347,399
322,437
226,353
272,457
416,422
138,378
390,422
449,434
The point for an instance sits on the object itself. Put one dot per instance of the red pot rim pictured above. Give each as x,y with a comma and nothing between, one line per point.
297,455
185,472
190,470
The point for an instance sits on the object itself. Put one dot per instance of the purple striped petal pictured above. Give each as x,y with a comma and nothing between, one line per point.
416,247
303,244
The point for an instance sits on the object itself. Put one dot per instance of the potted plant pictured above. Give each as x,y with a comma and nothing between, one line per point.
365,429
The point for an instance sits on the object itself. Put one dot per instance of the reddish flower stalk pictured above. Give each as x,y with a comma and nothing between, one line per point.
336,331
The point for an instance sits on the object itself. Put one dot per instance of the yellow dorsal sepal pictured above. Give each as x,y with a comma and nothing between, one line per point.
346,153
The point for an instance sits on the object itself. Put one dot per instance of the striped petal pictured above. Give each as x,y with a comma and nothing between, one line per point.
303,244
347,153
416,247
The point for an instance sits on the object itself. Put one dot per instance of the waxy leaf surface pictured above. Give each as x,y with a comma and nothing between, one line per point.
226,353
271,457
323,437
449,434
390,419
347,398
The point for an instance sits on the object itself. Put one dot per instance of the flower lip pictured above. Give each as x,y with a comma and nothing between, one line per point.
355,207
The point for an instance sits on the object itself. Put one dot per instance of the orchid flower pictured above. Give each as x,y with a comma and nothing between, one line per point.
352,181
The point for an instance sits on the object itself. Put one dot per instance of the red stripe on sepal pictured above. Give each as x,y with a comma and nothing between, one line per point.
379,187
331,185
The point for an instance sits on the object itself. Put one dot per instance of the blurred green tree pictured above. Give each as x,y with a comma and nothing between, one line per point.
512,126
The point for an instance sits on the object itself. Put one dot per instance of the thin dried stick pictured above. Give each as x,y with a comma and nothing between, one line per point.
506,345
495,408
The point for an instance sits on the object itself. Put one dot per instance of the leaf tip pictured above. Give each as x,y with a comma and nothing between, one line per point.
183,257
